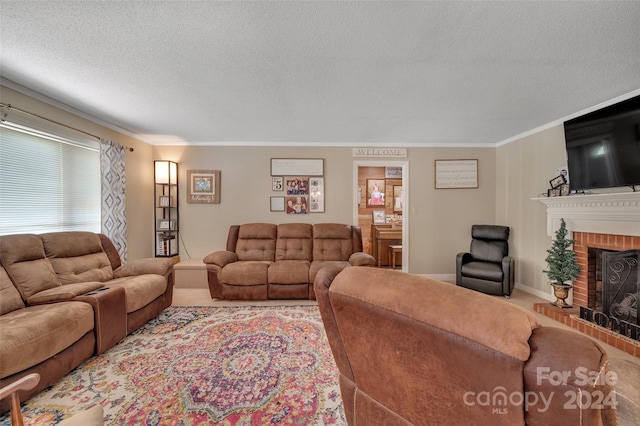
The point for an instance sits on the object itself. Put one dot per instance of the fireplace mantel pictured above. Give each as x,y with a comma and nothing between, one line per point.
617,213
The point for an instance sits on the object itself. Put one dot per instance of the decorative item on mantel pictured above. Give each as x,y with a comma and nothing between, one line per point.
562,266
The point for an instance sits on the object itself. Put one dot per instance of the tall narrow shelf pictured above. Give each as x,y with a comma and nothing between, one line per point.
166,212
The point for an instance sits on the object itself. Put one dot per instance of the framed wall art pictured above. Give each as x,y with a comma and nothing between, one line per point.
393,172
456,174
203,186
316,195
297,166
375,192
297,205
297,185
397,199
277,204
277,183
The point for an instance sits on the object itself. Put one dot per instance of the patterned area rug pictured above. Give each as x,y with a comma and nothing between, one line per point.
207,366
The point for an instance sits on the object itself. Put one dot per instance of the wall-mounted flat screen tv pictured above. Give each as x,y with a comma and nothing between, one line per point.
603,147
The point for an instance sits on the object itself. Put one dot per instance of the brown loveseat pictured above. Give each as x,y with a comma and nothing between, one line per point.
416,351
65,296
269,261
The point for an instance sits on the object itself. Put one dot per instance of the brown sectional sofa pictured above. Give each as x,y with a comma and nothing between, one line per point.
65,296
269,261
416,351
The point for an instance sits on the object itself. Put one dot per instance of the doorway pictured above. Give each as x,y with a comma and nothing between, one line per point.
394,176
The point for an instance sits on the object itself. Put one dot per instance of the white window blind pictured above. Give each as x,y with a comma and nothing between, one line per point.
47,184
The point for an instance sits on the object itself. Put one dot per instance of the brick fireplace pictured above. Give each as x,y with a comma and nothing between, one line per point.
599,221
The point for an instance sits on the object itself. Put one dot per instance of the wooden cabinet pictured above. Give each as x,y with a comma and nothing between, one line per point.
381,237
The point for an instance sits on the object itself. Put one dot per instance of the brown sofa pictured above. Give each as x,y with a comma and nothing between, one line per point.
416,351
269,261
65,296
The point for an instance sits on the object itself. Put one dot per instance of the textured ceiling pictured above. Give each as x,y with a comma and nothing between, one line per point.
319,72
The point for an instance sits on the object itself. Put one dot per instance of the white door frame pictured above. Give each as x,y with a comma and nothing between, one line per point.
405,199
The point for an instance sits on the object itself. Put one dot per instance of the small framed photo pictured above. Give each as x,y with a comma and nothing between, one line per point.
296,205
297,185
277,183
277,204
165,201
565,189
557,181
553,192
165,224
379,217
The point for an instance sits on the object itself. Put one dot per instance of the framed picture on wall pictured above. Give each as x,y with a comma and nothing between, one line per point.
375,192
277,204
297,185
397,199
297,205
316,195
203,186
277,183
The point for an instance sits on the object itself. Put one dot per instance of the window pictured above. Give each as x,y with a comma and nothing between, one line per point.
47,183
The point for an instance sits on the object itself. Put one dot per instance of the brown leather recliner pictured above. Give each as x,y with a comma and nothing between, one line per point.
410,353
487,267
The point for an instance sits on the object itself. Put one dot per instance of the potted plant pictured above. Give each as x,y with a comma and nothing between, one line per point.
562,265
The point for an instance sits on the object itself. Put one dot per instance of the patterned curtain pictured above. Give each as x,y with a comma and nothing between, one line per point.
112,168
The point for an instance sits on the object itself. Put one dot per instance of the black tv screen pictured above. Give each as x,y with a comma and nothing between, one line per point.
603,147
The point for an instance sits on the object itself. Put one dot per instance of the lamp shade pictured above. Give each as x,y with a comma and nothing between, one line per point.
166,172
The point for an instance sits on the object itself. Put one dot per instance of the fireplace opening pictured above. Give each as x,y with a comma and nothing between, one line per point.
621,285
613,290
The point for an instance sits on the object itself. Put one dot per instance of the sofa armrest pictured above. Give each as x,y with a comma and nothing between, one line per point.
221,258
361,259
461,259
508,274
569,374
63,293
149,265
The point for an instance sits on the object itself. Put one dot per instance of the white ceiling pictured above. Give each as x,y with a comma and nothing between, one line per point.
324,72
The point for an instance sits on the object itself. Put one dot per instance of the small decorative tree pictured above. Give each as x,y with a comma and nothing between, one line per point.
561,259
562,265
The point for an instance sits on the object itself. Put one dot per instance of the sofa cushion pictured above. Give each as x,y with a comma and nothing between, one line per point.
24,259
140,290
77,256
483,271
245,273
332,241
489,251
257,241
10,299
295,241
36,333
289,272
64,292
